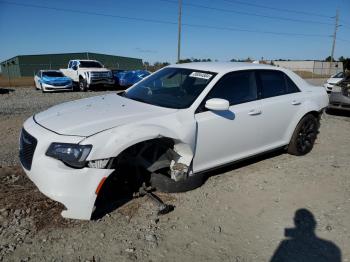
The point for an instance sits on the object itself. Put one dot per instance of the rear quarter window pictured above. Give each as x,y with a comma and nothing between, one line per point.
291,86
272,83
275,83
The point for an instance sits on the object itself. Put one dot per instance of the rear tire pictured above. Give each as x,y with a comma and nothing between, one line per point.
304,136
83,85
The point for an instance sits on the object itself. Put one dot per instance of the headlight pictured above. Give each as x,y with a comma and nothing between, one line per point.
336,89
73,155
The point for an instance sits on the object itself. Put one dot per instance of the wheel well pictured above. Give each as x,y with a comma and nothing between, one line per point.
133,168
315,114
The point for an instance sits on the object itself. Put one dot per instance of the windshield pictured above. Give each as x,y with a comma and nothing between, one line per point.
339,75
171,87
53,74
90,64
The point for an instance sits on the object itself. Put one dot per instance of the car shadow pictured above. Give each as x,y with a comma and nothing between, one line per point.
338,112
115,192
103,88
302,244
242,163
4,91
118,190
225,114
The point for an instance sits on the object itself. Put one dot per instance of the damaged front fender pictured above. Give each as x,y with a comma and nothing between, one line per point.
111,143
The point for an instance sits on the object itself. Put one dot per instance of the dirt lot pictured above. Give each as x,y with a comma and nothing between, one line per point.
240,214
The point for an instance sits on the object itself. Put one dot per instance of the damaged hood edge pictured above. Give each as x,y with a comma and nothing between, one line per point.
89,116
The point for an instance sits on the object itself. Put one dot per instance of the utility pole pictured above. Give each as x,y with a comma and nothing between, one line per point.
334,39
179,32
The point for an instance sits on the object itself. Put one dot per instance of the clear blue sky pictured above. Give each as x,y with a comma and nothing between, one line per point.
28,30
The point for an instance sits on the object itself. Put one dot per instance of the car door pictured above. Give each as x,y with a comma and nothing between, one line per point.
226,136
70,72
280,101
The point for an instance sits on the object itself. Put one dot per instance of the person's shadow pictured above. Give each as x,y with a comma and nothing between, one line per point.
303,244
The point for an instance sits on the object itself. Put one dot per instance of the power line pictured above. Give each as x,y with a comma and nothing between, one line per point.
236,29
90,13
254,31
344,40
276,9
343,21
250,14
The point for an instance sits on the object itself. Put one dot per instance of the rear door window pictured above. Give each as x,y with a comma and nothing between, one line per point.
273,83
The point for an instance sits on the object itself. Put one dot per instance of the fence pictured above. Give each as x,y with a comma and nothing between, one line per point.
311,69
315,73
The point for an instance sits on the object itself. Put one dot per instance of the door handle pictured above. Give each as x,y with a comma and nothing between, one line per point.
296,102
254,112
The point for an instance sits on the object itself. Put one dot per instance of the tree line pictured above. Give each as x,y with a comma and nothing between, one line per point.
158,65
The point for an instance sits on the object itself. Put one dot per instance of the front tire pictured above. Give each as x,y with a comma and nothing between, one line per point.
304,136
83,85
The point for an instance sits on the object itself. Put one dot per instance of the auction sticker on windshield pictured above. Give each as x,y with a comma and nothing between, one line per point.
201,75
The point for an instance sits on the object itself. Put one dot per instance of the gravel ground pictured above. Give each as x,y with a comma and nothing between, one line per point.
17,106
242,213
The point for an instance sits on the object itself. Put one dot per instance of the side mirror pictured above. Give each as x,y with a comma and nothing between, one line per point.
217,104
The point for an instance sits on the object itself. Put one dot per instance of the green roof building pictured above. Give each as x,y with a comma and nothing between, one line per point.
28,65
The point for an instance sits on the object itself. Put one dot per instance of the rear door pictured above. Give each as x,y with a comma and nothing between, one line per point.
280,101
226,136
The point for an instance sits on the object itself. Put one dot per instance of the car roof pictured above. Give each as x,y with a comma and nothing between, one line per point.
224,67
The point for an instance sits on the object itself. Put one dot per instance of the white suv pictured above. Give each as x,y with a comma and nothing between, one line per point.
174,125
87,73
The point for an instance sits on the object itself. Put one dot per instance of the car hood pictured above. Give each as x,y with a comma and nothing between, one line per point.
93,69
55,80
89,116
334,80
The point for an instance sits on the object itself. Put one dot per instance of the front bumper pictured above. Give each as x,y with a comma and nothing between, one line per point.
53,88
74,188
338,100
101,81
328,87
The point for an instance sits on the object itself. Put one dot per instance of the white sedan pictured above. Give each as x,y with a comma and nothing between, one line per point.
333,80
167,130
52,80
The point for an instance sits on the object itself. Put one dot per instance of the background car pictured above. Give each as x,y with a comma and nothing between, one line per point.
340,95
128,78
88,73
334,79
52,80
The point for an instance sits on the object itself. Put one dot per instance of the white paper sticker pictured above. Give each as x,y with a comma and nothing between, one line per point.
201,75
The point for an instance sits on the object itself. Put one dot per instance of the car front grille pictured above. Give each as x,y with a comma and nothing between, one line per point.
27,147
100,74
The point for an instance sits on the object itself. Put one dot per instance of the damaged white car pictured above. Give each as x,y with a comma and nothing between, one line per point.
168,129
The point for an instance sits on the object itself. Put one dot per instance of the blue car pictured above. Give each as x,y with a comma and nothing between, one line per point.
128,78
52,80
